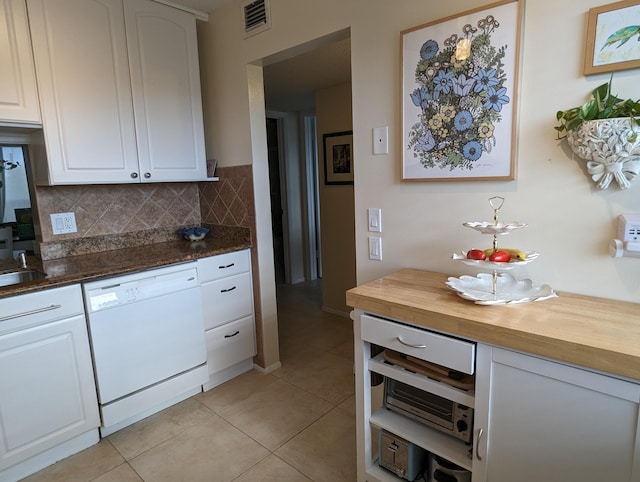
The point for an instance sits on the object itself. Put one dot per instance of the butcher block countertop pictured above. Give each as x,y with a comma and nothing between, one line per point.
595,333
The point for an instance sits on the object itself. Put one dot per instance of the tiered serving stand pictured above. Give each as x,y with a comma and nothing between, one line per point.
497,287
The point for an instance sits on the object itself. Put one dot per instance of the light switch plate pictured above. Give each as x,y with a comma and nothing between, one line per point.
381,140
375,248
375,220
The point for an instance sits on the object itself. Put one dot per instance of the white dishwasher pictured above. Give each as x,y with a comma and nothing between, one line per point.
148,343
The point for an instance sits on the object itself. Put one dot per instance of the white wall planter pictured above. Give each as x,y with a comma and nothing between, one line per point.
605,145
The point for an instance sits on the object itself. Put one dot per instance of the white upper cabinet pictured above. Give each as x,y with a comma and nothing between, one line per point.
119,90
18,93
165,79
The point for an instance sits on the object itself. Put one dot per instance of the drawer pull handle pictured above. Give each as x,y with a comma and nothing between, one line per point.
409,344
228,289
227,266
480,432
232,335
32,312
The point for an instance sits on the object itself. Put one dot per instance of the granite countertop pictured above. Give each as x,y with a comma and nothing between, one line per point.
95,265
595,333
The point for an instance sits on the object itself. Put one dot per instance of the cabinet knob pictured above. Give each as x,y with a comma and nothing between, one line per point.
134,175
147,175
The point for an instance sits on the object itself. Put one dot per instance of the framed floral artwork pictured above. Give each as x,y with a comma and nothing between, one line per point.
613,37
338,157
459,93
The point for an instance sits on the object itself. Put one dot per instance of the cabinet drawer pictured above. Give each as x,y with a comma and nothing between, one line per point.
31,309
226,299
230,344
440,349
223,265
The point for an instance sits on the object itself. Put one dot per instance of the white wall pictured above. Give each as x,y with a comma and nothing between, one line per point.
569,222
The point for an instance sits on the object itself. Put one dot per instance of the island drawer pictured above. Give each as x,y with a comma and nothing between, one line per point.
427,345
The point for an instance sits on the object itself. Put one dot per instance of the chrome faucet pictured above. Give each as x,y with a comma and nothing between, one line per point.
22,259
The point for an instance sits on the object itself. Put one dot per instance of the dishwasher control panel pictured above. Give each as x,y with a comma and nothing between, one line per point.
122,290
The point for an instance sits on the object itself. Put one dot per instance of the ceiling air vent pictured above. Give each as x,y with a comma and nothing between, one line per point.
257,17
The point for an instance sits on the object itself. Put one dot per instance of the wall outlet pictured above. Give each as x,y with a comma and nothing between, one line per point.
628,241
63,223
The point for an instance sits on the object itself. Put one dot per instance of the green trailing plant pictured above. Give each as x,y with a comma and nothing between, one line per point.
602,105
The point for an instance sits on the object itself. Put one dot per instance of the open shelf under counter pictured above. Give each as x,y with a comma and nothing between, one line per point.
432,440
379,365
381,474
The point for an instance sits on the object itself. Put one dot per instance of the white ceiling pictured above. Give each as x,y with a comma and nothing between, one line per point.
290,84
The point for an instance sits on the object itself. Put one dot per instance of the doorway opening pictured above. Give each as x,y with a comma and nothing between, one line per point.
292,79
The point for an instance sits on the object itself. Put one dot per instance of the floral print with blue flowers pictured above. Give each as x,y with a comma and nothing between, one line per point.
461,96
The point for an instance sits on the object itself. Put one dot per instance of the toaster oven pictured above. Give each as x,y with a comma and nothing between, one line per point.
430,409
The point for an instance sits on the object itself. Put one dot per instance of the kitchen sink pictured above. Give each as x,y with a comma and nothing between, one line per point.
22,276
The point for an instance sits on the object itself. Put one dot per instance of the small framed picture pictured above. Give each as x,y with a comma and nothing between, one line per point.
613,37
338,157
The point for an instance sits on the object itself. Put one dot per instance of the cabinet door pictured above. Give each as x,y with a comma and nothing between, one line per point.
165,78
47,390
18,93
82,68
544,421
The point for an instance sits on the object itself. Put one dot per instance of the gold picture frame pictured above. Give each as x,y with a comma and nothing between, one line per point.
459,78
611,37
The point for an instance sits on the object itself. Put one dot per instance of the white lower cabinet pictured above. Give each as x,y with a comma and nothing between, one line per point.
534,419
227,302
545,421
48,404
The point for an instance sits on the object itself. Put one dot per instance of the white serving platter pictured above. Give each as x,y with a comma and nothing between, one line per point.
509,290
486,264
494,228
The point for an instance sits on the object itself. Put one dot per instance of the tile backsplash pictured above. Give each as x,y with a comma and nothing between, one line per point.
116,209
122,208
230,201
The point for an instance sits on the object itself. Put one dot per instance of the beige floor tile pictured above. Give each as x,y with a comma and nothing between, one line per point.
349,405
211,451
272,469
326,451
122,473
275,413
84,466
235,390
145,434
325,375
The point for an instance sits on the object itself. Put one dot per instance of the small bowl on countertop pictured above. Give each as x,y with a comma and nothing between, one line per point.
193,234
